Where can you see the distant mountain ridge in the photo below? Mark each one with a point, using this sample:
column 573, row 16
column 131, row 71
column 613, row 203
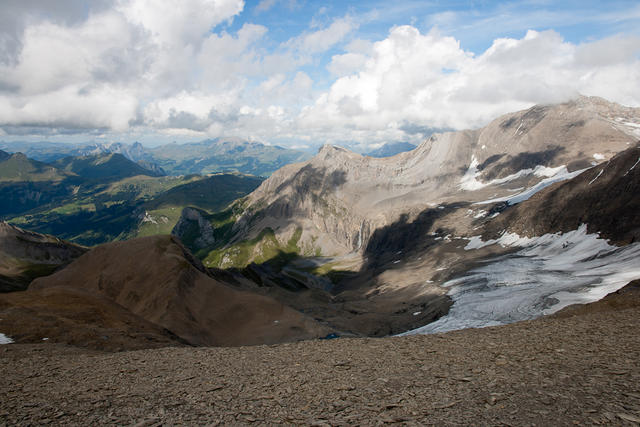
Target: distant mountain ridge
column 18, row 167
column 225, row 155
column 391, row 149
column 103, row 166
column 103, row 197
column 208, row 156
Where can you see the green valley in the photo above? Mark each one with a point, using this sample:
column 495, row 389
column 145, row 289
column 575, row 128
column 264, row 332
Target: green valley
column 100, row 198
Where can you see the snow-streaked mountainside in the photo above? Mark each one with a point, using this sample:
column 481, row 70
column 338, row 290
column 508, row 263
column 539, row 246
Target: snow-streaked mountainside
column 395, row 233
column 340, row 198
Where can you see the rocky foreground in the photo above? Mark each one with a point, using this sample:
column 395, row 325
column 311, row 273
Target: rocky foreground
column 580, row 367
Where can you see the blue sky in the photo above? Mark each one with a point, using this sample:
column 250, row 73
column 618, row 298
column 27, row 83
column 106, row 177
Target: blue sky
column 298, row 72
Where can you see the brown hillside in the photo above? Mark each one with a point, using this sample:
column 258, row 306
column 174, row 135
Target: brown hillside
column 155, row 278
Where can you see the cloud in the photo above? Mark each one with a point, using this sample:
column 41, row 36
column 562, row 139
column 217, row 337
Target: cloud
column 180, row 23
column 71, row 107
column 93, row 68
column 142, row 67
column 324, row 39
column 228, row 59
column 413, row 80
column 357, row 52
column 265, row 5
column 17, row 14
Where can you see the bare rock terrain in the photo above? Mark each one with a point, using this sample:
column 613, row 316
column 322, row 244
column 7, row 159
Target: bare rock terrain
column 579, row 367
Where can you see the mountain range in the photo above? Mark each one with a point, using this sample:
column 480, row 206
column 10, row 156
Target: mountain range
column 391, row 149
column 98, row 198
column 532, row 213
column 208, row 156
column 393, row 235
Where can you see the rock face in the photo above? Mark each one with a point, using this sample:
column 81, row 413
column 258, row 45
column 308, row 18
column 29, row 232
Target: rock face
column 25, row 255
column 192, row 226
column 605, row 198
column 467, row 215
column 158, row 280
column 339, row 198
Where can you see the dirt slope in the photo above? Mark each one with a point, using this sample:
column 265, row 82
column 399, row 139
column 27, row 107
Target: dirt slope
column 582, row 369
column 78, row 318
column 156, row 279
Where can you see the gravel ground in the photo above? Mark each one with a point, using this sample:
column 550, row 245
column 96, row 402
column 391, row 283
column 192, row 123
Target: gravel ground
column 575, row 370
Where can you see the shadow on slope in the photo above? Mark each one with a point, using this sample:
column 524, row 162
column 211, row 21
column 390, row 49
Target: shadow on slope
column 604, row 197
column 158, row 280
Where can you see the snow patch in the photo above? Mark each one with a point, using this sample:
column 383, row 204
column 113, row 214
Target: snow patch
column 469, row 180
column 598, row 156
column 5, row 339
column 597, row 176
column 632, row 167
column 547, row 172
column 548, row 274
column 480, row 214
column 526, row 194
column 505, row 240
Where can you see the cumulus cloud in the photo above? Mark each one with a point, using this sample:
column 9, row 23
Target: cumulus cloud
column 180, row 23
column 413, row 80
column 93, row 68
column 166, row 67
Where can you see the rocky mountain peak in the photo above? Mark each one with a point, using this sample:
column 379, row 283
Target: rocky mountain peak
column 342, row 194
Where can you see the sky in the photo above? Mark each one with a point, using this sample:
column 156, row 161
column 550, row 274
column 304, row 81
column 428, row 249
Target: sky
column 301, row 73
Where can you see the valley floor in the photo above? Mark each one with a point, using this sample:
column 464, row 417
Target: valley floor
column 581, row 367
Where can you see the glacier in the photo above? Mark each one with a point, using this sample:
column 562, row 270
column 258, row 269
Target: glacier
column 545, row 275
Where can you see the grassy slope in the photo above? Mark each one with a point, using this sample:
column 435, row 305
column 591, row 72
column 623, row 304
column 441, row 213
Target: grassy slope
column 134, row 206
column 109, row 166
column 19, row 167
column 264, row 248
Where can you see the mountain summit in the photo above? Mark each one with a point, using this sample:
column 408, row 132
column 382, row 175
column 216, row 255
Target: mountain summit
column 392, row 234
column 339, row 198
